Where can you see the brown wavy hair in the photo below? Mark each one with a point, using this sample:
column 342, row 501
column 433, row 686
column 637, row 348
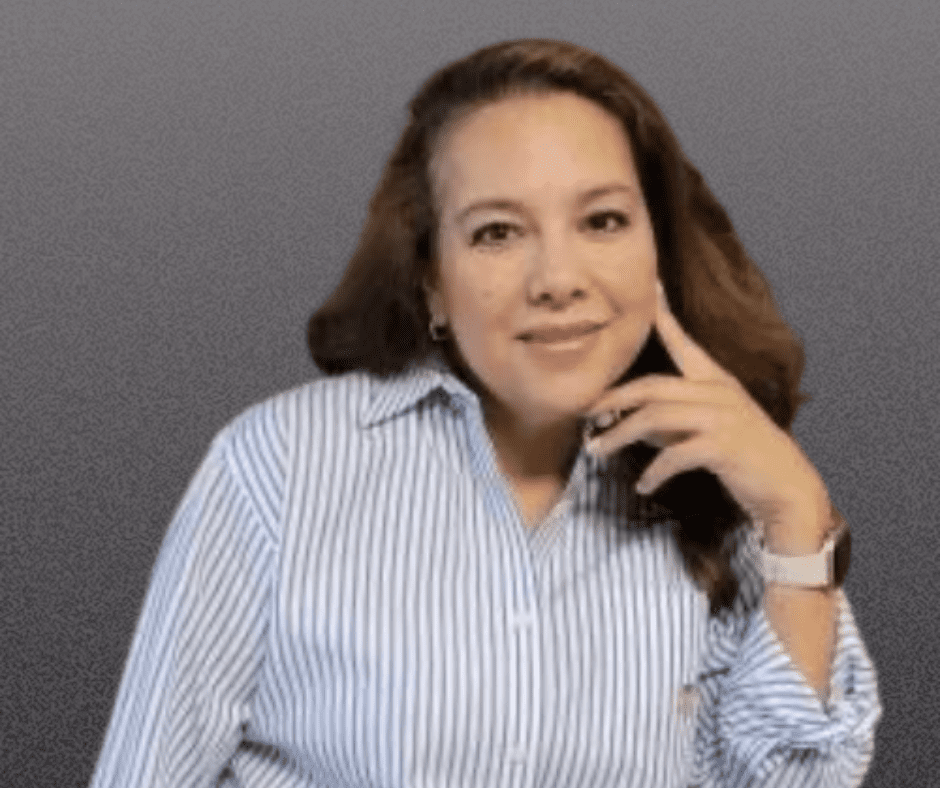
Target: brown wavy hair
column 377, row 318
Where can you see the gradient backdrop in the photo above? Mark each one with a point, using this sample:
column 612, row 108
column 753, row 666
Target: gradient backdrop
column 181, row 183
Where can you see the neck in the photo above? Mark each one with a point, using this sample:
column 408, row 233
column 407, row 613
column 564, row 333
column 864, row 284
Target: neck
column 531, row 451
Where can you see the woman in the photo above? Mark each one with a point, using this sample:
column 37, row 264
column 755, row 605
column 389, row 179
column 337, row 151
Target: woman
column 528, row 529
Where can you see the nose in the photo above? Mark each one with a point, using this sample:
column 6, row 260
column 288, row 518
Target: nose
column 557, row 275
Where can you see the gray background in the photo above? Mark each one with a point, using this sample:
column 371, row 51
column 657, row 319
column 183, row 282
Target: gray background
column 182, row 182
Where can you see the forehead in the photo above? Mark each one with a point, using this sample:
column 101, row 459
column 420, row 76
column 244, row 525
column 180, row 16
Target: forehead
column 529, row 144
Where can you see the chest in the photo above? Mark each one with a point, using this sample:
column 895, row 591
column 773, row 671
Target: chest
column 460, row 653
column 421, row 636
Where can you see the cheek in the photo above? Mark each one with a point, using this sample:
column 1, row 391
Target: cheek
column 646, row 304
column 480, row 301
column 637, row 307
column 482, row 320
column 637, row 294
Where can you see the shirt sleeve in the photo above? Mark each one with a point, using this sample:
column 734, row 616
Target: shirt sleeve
column 761, row 723
column 187, row 684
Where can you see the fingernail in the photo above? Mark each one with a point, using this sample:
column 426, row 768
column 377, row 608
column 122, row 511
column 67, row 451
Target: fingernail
column 604, row 420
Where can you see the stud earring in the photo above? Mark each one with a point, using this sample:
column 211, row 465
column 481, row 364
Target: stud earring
column 438, row 330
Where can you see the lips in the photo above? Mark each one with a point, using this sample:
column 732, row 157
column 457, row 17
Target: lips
column 560, row 333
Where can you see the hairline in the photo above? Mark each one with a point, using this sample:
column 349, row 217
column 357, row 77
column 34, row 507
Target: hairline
column 462, row 113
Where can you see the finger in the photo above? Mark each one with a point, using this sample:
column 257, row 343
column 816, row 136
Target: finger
column 661, row 424
column 662, row 388
column 689, row 455
column 693, row 361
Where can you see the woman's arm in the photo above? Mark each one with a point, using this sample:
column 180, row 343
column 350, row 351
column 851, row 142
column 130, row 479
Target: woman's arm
column 762, row 722
column 804, row 619
column 775, row 663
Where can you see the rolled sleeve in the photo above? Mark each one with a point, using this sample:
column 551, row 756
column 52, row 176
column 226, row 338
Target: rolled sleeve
column 764, row 725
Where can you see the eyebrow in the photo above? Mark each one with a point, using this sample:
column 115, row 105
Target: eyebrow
column 513, row 205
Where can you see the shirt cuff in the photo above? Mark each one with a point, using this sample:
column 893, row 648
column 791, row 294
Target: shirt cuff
column 768, row 706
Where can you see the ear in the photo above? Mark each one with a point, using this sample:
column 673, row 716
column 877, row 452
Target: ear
column 434, row 301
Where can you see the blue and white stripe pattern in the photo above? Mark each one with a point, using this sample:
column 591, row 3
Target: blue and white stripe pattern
column 347, row 596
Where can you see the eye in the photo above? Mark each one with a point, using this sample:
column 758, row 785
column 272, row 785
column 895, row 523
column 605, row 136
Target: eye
column 608, row 221
column 492, row 234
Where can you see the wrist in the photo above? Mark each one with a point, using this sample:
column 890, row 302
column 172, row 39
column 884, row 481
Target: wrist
column 795, row 541
column 791, row 562
column 802, row 529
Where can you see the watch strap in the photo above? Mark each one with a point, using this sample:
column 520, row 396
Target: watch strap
column 825, row 569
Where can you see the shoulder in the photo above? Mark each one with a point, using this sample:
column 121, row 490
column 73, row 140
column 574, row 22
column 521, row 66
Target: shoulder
column 306, row 437
column 271, row 421
column 322, row 412
column 257, row 448
column 322, row 418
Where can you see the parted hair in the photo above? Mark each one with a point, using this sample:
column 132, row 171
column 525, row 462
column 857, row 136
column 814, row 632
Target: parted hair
column 377, row 318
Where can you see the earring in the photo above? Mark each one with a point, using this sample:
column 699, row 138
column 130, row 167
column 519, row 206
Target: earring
column 438, row 330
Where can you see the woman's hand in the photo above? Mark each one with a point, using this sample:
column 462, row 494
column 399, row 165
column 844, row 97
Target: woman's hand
column 707, row 419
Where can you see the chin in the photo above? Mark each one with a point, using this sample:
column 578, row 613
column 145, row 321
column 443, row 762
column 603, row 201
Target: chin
column 565, row 407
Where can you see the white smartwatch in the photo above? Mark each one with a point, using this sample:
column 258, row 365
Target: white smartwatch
column 825, row 569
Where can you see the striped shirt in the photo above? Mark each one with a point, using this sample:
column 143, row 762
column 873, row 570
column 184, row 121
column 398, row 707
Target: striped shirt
column 347, row 596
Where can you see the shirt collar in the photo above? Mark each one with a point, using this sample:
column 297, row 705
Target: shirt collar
column 392, row 397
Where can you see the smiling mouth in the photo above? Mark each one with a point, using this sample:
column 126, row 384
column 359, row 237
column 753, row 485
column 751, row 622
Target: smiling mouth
column 550, row 334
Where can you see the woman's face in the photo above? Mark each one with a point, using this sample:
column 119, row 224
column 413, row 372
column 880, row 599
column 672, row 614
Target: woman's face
column 547, row 260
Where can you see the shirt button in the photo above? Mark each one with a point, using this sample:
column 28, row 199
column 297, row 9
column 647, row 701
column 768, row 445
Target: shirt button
column 687, row 701
column 520, row 620
column 517, row 754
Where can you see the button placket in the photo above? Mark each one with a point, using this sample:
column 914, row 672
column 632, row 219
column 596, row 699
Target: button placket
column 522, row 735
column 524, row 711
column 522, row 626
